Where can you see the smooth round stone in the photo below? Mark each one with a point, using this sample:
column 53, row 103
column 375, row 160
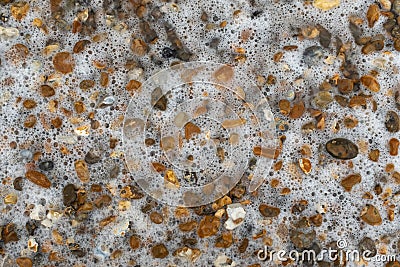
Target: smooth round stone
column 342, row 148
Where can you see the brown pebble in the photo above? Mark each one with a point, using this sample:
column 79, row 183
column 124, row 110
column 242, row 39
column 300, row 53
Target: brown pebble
column 139, row 47
column 370, row 215
column 156, row 217
column 394, row 146
column 8, row 234
column 316, row 220
column 297, row 110
column 63, row 62
column 397, row 97
column 134, row 242
column 17, row 183
column 79, row 107
column 341, row 148
column 46, row 90
column 82, row 170
column 190, row 130
column 133, row 85
column 86, row 84
column 341, row 100
column 159, row 251
column 370, row 83
column 102, row 201
column 269, row 211
column 393, row 264
column 373, row 14
column 208, row 226
column 243, row 245
column 350, row 181
column 392, row 121
column 107, row 221
column 38, row 178
column 374, row 155
column 345, row 86
column 80, row 46
column 30, row 121
column 284, row 106
column 224, row 241
column 131, row 192
column 56, row 122
column 29, row 103
column 188, row 226
column 24, row 262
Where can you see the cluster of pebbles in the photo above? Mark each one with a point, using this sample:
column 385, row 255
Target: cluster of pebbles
column 71, row 190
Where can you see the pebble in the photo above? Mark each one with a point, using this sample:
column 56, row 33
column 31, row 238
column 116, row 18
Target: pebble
column 302, row 239
column 82, row 171
column 269, row 211
column 350, row 181
column 38, row 213
column 188, row 226
column 190, row 254
column 8, row 234
column 324, row 36
column 370, row 83
column 30, row 121
column 158, row 100
column 156, row 217
column 392, row 121
column 224, row 241
column 305, row 165
column 397, row 98
column 297, row 110
column 17, row 183
column 106, row 101
column 342, row 148
column 47, row 91
column 313, row 55
column 394, row 146
column 373, row 15
column 69, row 195
column 38, row 178
column 374, row 155
column 367, row 244
column 208, row 226
column 370, row 214
column 345, row 86
column 159, row 251
column 93, row 156
column 24, row 262
column 63, row 62
column 46, row 165
column 134, row 242
column 236, row 215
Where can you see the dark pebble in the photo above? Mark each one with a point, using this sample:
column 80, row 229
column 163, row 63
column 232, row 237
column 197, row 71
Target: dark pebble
column 392, row 121
column 46, row 165
column 302, row 240
column 397, row 99
column 93, row 156
column 69, row 194
column 168, row 52
column 17, row 183
column 313, row 55
column 367, row 244
column 342, row 148
column 31, row 226
column 324, row 36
